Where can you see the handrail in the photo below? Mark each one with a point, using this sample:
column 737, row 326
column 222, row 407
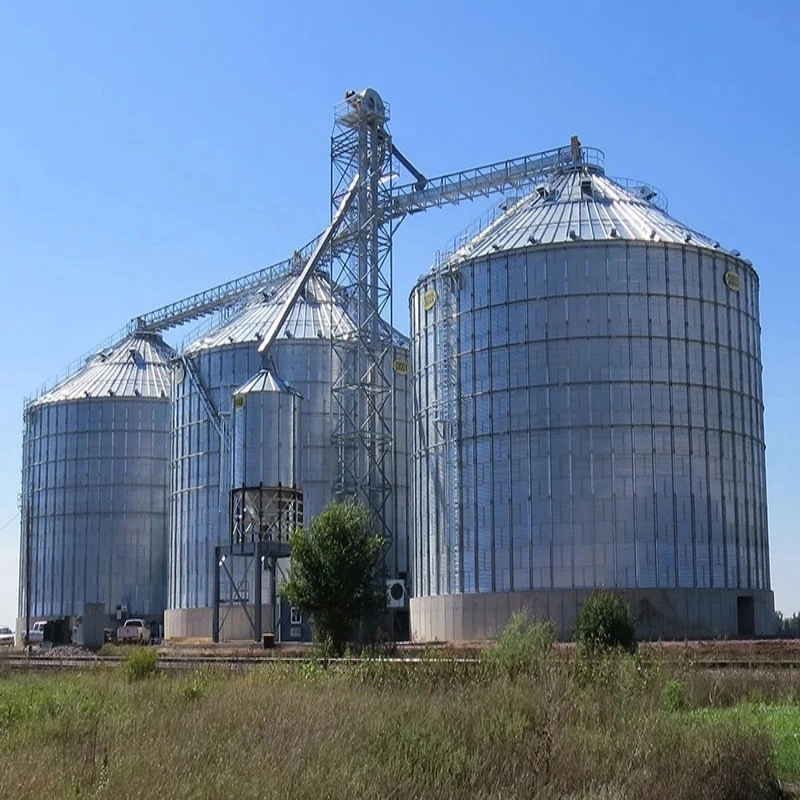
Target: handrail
column 481, row 181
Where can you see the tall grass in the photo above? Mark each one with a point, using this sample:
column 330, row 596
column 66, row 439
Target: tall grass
column 545, row 728
column 141, row 663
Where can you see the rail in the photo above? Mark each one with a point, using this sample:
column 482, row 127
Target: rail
column 51, row 660
column 210, row 300
column 644, row 191
column 481, row 181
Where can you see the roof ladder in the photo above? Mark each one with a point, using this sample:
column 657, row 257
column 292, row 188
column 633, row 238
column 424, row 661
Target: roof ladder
column 449, row 413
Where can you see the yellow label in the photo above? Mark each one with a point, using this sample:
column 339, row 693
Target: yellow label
column 238, row 401
column 429, row 299
column 732, row 280
column 401, row 366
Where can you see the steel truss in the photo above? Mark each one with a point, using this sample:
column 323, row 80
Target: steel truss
column 262, row 517
column 363, row 382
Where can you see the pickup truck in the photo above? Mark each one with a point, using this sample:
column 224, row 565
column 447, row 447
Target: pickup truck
column 36, row 635
column 134, row 631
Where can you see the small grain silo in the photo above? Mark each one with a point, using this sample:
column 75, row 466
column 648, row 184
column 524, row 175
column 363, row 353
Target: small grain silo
column 95, row 477
column 266, row 503
column 266, row 424
column 588, row 413
column 206, row 378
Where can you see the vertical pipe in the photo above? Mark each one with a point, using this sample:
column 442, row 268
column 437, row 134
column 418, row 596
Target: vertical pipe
column 215, row 610
column 293, row 442
column 259, row 570
column 273, row 599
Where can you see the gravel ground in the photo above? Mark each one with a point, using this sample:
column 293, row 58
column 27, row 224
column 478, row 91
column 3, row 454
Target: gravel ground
column 63, row 651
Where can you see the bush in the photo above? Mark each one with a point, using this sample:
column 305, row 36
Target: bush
column 335, row 573
column 195, row 687
column 112, row 649
column 522, row 647
column 673, row 696
column 141, row 663
column 605, row 622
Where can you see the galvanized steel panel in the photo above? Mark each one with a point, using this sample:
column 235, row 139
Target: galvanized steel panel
column 95, row 460
column 610, row 425
column 266, row 424
column 221, row 362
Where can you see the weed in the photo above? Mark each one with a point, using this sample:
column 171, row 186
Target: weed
column 523, row 647
column 113, row 649
column 141, row 663
column 673, row 695
column 195, row 687
column 439, row 728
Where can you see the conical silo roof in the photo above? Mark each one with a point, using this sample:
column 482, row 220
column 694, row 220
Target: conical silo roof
column 582, row 205
column 264, row 381
column 138, row 366
column 316, row 311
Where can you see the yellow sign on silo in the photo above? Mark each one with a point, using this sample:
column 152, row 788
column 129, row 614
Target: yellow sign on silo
column 429, row 299
column 732, row 280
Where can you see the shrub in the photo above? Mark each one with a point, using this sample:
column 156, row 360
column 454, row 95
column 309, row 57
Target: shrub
column 141, row 663
column 605, row 622
column 195, row 687
column 112, row 649
column 335, row 573
column 673, row 696
column 523, row 646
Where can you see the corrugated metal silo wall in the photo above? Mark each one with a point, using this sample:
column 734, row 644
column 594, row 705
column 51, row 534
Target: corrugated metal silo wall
column 602, row 424
column 266, row 427
column 201, row 479
column 98, row 474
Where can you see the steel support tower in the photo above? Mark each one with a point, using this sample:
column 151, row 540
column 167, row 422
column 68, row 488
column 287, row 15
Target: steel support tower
column 363, row 384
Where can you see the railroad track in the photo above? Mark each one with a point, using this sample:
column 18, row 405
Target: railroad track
column 19, row 661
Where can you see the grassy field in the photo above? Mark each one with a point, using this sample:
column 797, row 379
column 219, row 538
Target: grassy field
column 780, row 720
column 522, row 723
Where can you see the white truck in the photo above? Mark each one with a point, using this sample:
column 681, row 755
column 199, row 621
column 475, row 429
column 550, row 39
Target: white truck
column 134, row 631
column 36, row 634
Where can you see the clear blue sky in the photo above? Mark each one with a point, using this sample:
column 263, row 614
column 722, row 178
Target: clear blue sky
column 150, row 150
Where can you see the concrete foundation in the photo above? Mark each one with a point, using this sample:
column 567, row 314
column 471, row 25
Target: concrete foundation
column 196, row 623
column 660, row 613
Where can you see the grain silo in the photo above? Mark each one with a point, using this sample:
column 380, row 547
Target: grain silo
column 266, row 424
column 210, row 371
column 95, row 476
column 588, row 412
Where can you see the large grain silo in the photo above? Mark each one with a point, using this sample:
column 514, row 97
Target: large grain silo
column 588, row 413
column 212, row 368
column 95, row 476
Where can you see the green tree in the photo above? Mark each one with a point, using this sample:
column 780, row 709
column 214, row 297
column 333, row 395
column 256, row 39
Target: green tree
column 605, row 622
column 335, row 572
